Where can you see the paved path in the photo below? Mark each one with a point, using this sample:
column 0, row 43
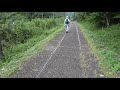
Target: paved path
column 66, row 56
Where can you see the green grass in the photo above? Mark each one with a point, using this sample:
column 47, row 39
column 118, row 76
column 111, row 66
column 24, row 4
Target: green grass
column 18, row 54
column 105, row 45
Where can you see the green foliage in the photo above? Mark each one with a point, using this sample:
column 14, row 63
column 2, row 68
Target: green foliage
column 18, row 27
column 17, row 55
column 21, row 34
column 105, row 44
column 22, row 30
column 33, row 15
column 102, row 30
column 100, row 19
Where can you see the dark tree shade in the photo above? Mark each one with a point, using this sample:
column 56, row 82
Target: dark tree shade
column 99, row 18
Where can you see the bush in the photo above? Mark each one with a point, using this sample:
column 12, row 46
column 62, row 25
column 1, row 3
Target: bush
column 21, row 30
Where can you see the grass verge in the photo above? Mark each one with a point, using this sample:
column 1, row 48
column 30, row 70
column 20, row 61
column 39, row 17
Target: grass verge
column 105, row 45
column 19, row 54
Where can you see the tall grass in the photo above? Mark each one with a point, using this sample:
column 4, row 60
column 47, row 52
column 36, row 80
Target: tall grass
column 22, row 30
column 26, row 39
column 105, row 44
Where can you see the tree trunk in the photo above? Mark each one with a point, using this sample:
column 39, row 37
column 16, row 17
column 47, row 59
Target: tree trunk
column 42, row 15
column 107, row 19
column 53, row 15
column 107, row 22
column 1, row 52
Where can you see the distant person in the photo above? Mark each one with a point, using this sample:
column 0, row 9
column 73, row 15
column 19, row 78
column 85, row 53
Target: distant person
column 66, row 23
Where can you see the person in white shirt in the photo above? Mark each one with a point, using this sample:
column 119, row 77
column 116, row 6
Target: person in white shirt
column 66, row 23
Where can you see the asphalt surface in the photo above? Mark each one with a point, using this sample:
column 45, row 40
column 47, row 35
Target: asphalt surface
column 66, row 56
